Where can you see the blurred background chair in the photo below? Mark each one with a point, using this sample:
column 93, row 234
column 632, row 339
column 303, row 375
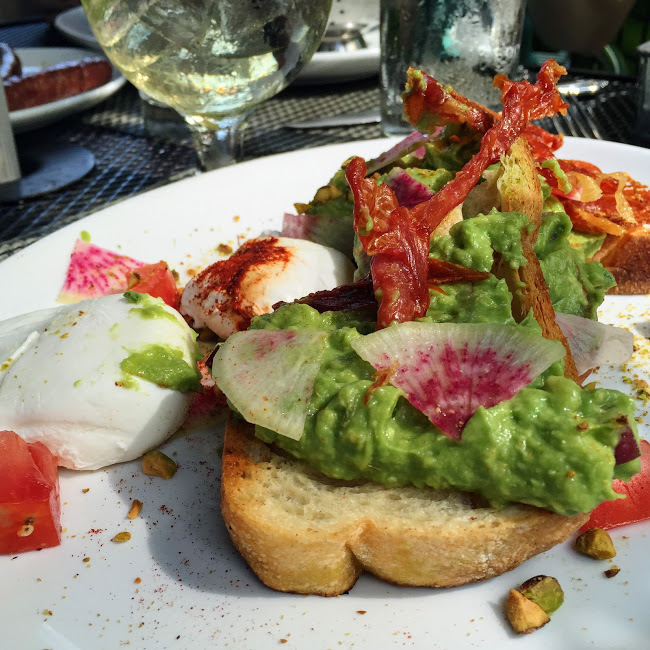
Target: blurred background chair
column 599, row 35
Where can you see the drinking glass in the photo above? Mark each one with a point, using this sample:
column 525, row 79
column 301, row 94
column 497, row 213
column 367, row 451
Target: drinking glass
column 211, row 60
column 463, row 43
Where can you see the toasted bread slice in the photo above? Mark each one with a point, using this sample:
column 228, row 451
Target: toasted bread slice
column 302, row 532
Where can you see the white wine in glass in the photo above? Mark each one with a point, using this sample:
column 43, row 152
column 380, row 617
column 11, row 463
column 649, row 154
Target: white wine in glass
column 211, row 60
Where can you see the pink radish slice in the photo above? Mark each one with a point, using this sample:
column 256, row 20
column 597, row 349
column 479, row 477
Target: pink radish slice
column 269, row 376
column 448, row 370
column 94, row 271
column 627, row 448
column 335, row 232
column 594, row 344
column 410, row 143
column 409, row 191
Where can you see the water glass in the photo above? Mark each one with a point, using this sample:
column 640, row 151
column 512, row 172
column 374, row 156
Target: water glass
column 463, row 43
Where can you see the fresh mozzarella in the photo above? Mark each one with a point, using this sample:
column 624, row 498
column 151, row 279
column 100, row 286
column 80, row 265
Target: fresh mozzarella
column 226, row 295
column 16, row 334
column 61, row 380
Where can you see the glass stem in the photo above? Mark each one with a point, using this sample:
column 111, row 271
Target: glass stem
column 218, row 142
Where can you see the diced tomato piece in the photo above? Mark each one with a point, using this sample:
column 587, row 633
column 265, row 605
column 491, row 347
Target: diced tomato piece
column 30, row 505
column 636, row 505
column 156, row 280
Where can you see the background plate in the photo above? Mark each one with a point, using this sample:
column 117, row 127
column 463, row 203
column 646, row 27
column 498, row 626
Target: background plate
column 195, row 591
column 35, row 59
column 74, row 25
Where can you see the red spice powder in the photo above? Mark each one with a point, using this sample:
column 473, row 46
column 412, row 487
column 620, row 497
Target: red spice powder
column 227, row 276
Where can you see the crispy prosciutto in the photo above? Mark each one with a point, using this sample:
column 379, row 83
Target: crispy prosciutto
column 428, row 104
column 359, row 295
column 522, row 102
column 609, row 203
column 397, row 244
column 542, row 143
column 396, row 238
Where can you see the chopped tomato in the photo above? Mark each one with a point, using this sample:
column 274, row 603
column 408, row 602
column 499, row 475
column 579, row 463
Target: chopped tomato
column 156, row 280
column 30, row 507
column 636, row 505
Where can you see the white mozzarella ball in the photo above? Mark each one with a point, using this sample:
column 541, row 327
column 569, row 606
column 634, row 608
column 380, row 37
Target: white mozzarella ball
column 226, row 295
column 62, row 381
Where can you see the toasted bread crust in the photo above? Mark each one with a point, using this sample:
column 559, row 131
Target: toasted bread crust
column 519, row 190
column 301, row 532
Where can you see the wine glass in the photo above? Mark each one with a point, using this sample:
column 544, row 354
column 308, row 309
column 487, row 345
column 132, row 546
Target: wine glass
column 211, row 60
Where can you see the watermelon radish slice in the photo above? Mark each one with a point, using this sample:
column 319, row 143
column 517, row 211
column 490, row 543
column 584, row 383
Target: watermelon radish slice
column 409, row 191
column 269, row 376
column 594, row 344
column 410, row 143
column 627, row 448
column 335, row 232
column 94, row 271
column 448, row 370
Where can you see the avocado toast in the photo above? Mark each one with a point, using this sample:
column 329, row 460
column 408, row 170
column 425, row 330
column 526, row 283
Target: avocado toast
column 374, row 482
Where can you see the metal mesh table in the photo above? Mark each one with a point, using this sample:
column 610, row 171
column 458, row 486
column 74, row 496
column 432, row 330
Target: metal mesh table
column 132, row 156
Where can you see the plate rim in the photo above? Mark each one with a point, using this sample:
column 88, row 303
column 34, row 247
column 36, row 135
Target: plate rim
column 62, row 24
column 200, row 178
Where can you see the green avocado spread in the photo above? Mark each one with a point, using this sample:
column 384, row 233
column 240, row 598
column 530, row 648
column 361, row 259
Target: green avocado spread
column 551, row 445
column 164, row 366
column 575, row 286
column 159, row 363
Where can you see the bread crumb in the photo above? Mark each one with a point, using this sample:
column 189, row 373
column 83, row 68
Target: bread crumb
column 135, row 510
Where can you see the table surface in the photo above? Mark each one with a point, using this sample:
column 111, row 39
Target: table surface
column 131, row 155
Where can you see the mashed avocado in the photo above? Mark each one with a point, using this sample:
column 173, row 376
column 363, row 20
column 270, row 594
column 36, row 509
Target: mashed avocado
column 551, row 445
column 164, row 364
column 575, row 285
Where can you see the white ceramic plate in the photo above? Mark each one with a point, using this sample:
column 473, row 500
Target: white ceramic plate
column 34, row 59
column 338, row 67
column 74, row 25
column 195, row 590
column 324, row 67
